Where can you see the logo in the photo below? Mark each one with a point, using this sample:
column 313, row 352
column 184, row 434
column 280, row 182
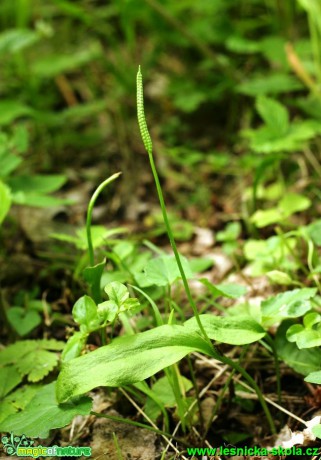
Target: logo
column 21, row 446
column 11, row 443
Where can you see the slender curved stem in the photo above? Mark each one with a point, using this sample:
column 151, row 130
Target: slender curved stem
column 89, row 215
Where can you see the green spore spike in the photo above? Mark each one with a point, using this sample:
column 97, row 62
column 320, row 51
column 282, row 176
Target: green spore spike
column 141, row 114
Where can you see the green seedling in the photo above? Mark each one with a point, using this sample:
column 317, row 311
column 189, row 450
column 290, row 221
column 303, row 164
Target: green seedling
column 228, row 237
column 290, row 204
column 24, row 319
column 278, row 134
column 92, row 317
column 270, row 254
column 307, row 335
column 304, row 361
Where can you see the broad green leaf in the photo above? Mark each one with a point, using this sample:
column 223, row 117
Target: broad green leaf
column 17, row 400
column 231, row 232
column 311, row 106
column 302, row 361
column 124, row 249
column 273, row 49
column 307, row 335
column 14, row 40
column 269, row 84
column 271, row 251
column 10, row 110
column 304, row 338
column 119, row 301
column 115, row 275
column 164, row 393
column 20, row 139
column 41, row 184
column 22, row 320
column 288, row 205
column 93, row 274
column 84, row 313
column 278, row 277
column 7, row 408
column 293, row 202
column 128, row 359
column 8, row 163
column 5, row 201
column 289, row 304
column 200, row 264
column 314, row 377
column 74, row 346
column 265, row 140
column 99, row 234
column 15, row 353
column 53, row 65
column 239, row 44
column 43, row 414
column 10, row 378
column 37, row 364
column 117, row 292
column 93, row 277
column 264, row 217
column 76, row 114
column 37, row 200
column 254, row 249
column 107, row 311
column 231, row 291
column 314, row 231
column 311, row 319
column 163, row 271
column 274, row 115
column 232, row 330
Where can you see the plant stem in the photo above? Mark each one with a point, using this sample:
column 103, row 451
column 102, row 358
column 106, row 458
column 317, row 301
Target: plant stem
column 173, row 245
column 270, row 341
column 89, row 215
column 149, row 148
column 119, row 454
column 254, row 385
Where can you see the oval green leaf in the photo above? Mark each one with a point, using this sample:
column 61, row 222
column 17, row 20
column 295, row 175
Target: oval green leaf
column 234, row 331
column 128, row 360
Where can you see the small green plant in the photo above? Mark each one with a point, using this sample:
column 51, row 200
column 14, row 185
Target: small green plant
column 23, row 319
column 92, row 317
column 134, row 358
column 246, row 95
column 278, row 134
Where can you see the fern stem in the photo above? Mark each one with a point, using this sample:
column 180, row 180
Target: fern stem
column 149, row 147
column 89, row 215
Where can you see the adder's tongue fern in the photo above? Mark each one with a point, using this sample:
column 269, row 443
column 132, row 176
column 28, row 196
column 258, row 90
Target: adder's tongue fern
column 149, row 147
column 141, row 114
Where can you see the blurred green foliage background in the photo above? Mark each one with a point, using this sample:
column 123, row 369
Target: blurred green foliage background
column 68, row 74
